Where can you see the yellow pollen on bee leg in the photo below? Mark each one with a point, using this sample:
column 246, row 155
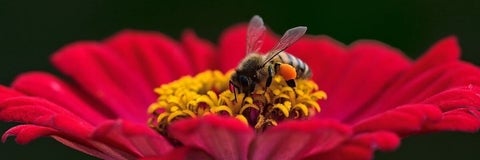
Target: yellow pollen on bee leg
column 207, row 93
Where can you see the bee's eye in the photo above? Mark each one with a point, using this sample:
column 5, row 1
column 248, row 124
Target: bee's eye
column 243, row 80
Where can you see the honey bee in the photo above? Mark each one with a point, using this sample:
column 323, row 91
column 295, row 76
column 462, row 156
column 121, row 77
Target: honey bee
column 260, row 69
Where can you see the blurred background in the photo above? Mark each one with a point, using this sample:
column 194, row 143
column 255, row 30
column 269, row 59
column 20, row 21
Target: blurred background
column 31, row 30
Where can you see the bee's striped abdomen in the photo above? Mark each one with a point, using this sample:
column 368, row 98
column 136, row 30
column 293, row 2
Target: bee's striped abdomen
column 302, row 69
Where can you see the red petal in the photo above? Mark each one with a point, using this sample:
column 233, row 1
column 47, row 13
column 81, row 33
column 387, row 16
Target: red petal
column 220, row 137
column 462, row 119
column 96, row 149
column 200, row 52
column 445, row 50
column 47, row 86
column 47, row 119
column 428, row 76
column 385, row 141
column 361, row 147
column 106, row 77
column 145, row 139
column 460, row 113
column 181, row 153
column 326, row 58
column 403, row 120
column 440, row 79
column 299, row 139
column 27, row 133
column 157, row 58
column 442, row 52
column 348, row 151
column 463, row 97
column 6, row 93
column 43, row 113
column 362, row 75
column 132, row 138
column 436, row 80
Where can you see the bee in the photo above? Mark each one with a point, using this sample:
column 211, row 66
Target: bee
column 256, row 68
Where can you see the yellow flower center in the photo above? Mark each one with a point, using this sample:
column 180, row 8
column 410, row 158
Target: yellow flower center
column 207, row 93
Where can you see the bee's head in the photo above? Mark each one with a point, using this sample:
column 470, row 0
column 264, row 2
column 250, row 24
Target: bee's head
column 243, row 83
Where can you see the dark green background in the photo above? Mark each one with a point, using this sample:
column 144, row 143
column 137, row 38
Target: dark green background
column 31, row 30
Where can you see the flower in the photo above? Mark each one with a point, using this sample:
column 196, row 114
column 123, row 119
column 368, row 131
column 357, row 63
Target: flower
column 376, row 97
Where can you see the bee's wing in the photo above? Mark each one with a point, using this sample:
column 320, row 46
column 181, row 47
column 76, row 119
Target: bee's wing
column 255, row 32
column 287, row 39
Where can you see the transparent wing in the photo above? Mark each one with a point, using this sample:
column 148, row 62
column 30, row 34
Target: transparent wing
column 254, row 34
column 287, row 39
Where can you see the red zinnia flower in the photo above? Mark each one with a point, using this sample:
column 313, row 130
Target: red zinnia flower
column 376, row 96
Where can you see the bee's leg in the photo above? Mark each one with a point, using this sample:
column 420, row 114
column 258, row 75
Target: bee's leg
column 269, row 82
column 243, row 99
column 271, row 73
column 291, row 83
column 249, row 92
column 272, row 70
column 232, row 88
column 235, row 94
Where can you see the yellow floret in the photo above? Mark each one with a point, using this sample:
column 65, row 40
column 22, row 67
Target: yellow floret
column 207, row 93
